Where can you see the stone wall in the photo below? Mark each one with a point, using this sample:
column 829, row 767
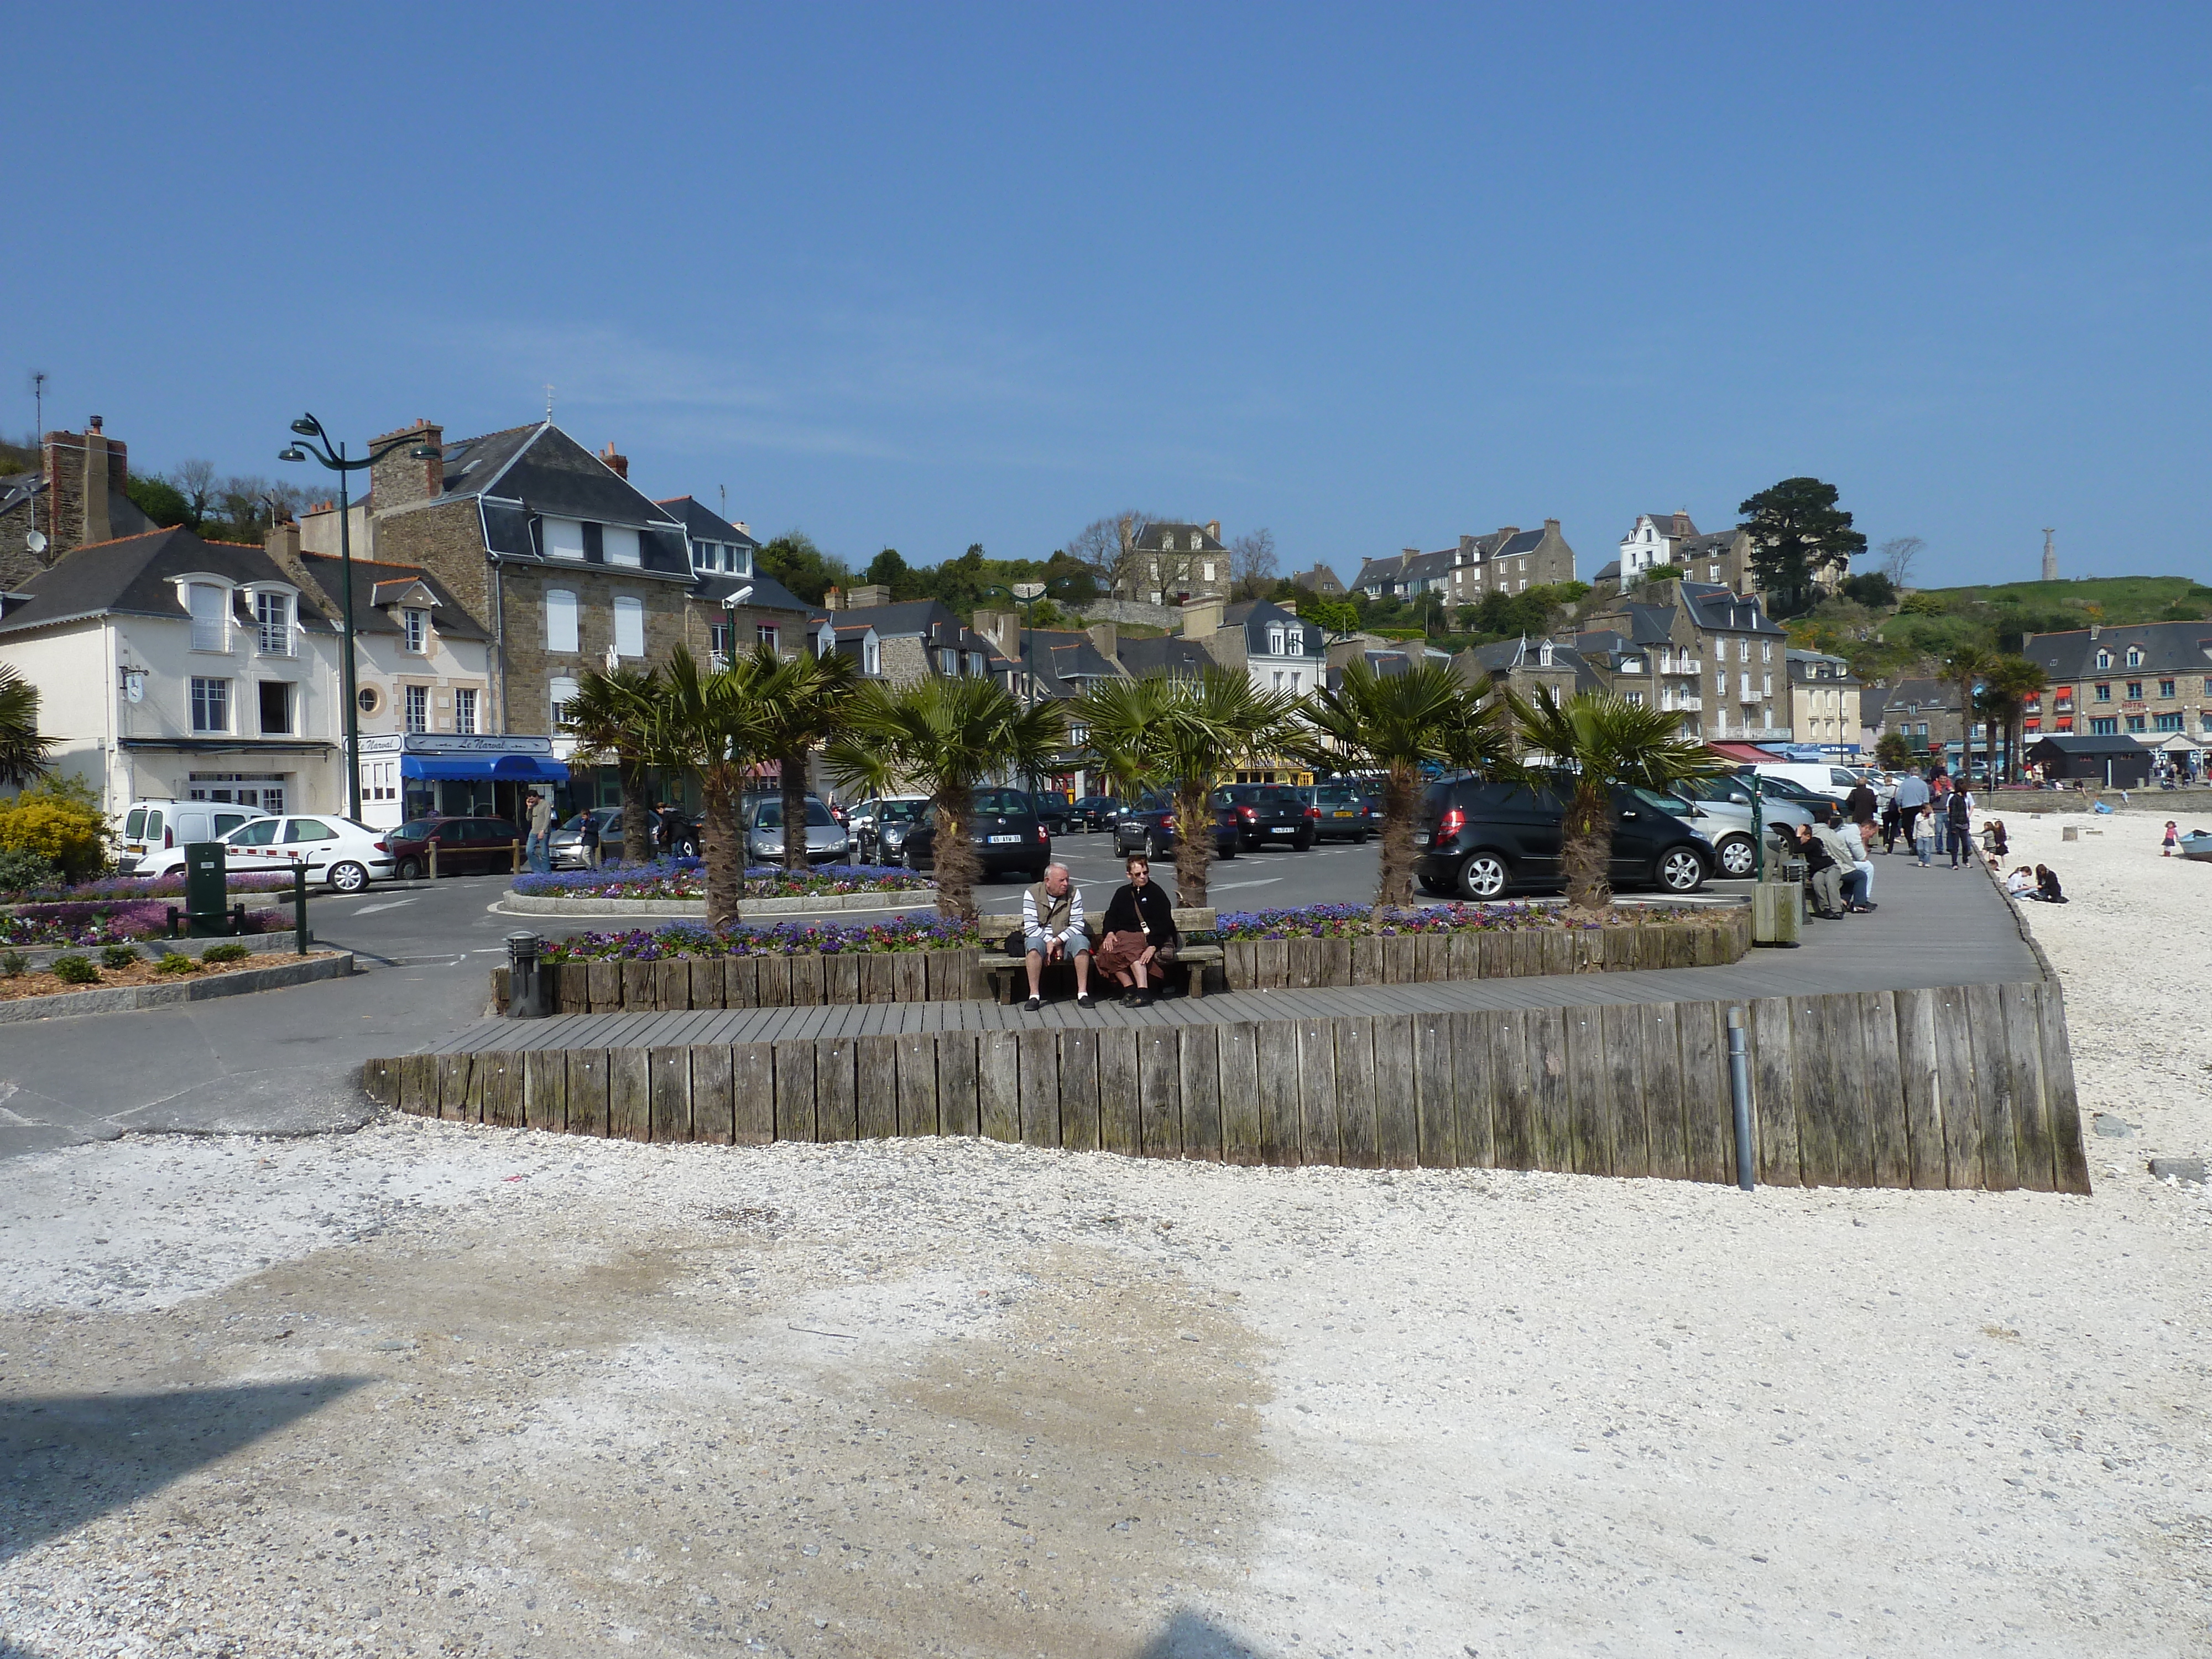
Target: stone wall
column 530, row 667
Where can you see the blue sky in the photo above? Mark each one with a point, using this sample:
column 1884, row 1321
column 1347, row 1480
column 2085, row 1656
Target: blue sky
column 1369, row 277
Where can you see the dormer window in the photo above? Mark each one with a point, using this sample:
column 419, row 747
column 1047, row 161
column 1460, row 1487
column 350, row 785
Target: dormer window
column 415, row 629
column 2135, row 658
column 210, row 610
column 272, row 617
column 2104, row 659
column 1274, row 641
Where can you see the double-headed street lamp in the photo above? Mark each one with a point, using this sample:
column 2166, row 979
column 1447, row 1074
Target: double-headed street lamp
column 332, row 456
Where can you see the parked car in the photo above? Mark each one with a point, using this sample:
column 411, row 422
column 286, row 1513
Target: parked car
column 879, row 826
column 466, row 846
column 1095, row 812
column 1149, row 826
column 1728, row 800
column 1055, row 811
column 156, row 832
column 1272, row 814
column 1483, row 840
column 346, row 854
column 1005, row 829
column 762, row 818
column 1822, row 802
column 565, row 847
column 1347, row 811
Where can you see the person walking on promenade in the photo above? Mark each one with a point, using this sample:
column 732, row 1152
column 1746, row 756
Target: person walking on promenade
column 1862, row 805
column 588, row 840
column 541, row 832
column 1959, row 825
column 1911, row 798
column 1892, row 826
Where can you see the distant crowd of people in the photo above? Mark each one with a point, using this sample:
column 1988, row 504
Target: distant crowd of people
column 1932, row 815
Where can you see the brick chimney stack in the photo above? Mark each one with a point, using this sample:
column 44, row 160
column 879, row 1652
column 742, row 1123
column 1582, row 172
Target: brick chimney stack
column 82, row 470
column 400, row 480
column 618, row 464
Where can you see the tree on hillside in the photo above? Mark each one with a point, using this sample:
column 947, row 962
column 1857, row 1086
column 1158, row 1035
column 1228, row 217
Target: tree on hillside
column 1874, row 590
column 1898, row 554
column 793, row 560
column 889, row 570
column 1252, row 564
column 1797, row 531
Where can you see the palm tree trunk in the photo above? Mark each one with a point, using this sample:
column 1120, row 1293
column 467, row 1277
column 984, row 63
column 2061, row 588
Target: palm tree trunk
column 1586, row 850
column 1194, row 856
column 793, row 776
column 637, row 815
column 723, row 845
column 1395, row 888
column 954, row 858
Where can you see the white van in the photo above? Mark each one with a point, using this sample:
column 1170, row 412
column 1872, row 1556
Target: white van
column 1821, row 777
column 156, row 832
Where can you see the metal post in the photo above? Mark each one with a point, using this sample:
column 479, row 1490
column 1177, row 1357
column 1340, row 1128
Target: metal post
column 524, row 999
column 1740, row 1098
column 1757, row 830
column 352, row 704
column 300, row 908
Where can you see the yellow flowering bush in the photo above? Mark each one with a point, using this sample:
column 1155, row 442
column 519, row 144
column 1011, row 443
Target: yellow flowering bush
column 62, row 823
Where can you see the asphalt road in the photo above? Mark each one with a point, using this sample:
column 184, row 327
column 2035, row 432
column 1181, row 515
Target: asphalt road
column 285, row 1062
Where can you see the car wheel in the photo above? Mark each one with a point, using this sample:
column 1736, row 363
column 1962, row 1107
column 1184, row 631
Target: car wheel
column 409, row 869
column 1483, row 875
column 1228, row 851
column 1434, row 888
column 1736, row 855
column 1360, row 839
column 347, row 878
column 1152, row 846
column 1682, row 870
column 1303, row 843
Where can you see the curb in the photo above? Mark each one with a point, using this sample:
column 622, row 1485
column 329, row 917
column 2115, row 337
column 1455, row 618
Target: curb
column 124, row 999
column 41, row 957
column 532, row 904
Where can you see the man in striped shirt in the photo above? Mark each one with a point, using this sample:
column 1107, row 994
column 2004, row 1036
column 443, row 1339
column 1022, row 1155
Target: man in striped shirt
column 1052, row 923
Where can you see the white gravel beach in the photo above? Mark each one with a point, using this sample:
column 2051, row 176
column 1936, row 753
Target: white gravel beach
column 433, row 1389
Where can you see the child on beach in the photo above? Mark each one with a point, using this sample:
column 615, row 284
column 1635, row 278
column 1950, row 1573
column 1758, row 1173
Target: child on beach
column 2173, row 840
column 2020, row 882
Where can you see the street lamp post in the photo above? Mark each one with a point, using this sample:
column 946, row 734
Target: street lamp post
column 332, row 456
column 1025, row 594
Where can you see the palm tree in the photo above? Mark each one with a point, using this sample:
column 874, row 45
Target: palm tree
column 946, row 734
column 1185, row 735
column 1964, row 669
column 2010, row 682
column 1598, row 743
column 612, row 717
column 1397, row 724
column 809, row 709
column 720, row 726
column 23, row 750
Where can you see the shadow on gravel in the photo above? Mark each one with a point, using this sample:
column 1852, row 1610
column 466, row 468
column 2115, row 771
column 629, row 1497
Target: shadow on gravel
column 1187, row 1635
column 70, row 1458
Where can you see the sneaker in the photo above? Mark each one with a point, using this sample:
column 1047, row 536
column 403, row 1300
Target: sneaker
column 1034, row 1004
column 1083, row 1000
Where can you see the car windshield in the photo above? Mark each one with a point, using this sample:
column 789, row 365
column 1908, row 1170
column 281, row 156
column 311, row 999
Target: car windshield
column 413, row 829
column 1666, row 804
column 898, row 811
column 770, row 816
column 1001, row 800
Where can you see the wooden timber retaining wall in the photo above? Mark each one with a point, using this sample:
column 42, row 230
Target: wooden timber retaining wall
column 1959, row 1087
column 807, row 979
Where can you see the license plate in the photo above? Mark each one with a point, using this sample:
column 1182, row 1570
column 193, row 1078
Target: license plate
column 1005, row 841
column 1282, row 829
column 1344, row 812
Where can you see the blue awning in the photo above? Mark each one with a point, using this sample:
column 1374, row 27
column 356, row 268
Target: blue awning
column 511, row 769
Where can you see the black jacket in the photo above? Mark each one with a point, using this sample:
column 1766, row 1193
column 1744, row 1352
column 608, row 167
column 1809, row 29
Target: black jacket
column 1147, row 910
column 1862, row 804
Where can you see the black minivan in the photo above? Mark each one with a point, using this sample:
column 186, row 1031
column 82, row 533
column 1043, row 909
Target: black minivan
column 1007, row 833
column 1484, row 840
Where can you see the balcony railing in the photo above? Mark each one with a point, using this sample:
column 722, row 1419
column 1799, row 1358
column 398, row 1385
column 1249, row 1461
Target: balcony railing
column 1694, row 705
column 1683, row 665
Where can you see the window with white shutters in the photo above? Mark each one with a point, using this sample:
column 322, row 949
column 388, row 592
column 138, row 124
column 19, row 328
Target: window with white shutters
column 211, row 617
column 564, row 693
column 629, row 627
column 563, row 539
column 464, row 711
column 560, row 619
column 619, row 544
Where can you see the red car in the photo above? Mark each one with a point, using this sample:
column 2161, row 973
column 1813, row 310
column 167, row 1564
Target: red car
column 466, row 847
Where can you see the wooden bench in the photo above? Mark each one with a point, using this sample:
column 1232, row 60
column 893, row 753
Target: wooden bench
column 1010, row 976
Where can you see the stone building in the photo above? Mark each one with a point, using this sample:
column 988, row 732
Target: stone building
column 1510, row 560
column 566, row 563
column 733, row 606
column 2148, row 680
column 1696, row 647
column 74, row 497
column 1170, row 563
column 1824, row 701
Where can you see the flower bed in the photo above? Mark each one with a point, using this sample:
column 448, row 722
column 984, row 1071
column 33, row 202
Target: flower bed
column 108, row 923
column 784, row 940
column 1361, row 922
column 144, row 887
column 686, row 879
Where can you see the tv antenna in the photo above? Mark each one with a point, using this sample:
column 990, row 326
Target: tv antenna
column 549, row 400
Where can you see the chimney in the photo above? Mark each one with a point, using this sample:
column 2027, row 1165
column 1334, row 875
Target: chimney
column 1200, row 617
column 83, row 470
column 1551, row 526
column 868, row 594
column 832, row 599
column 97, row 525
column 2094, row 630
column 1214, row 529
column 283, row 545
column 1107, row 638
column 399, row 479
column 617, row 464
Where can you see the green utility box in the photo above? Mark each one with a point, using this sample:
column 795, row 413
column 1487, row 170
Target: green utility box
column 205, row 880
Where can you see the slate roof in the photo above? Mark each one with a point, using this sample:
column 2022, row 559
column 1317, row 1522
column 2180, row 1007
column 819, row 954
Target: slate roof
column 703, row 524
column 534, row 469
column 1610, row 573
column 2071, row 743
column 1501, row 655
column 1062, row 661
column 1172, row 655
column 1527, row 542
column 1384, row 572
column 768, row 593
column 2167, row 647
column 1255, row 616
column 134, row 576
column 1147, row 540
column 1799, row 666
column 368, row 617
column 1714, row 606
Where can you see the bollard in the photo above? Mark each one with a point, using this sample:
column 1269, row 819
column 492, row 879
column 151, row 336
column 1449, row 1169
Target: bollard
column 173, row 921
column 300, row 908
column 433, row 858
column 524, row 986
column 514, row 847
column 1740, row 1098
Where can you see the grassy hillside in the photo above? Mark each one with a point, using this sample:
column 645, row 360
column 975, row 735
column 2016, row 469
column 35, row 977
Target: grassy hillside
column 2112, row 599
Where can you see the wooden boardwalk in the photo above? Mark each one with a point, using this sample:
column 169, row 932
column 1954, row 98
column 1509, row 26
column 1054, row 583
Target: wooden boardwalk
column 1933, row 928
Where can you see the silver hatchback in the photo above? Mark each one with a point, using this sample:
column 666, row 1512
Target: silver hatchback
column 763, row 817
